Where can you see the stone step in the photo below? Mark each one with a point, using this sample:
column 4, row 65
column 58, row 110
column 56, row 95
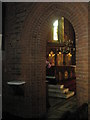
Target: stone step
column 61, row 95
column 70, row 94
column 64, row 90
column 55, row 86
column 50, row 77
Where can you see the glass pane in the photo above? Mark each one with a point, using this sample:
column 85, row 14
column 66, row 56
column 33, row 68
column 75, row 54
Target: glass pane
column 55, row 30
column 62, row 29
column 55, row 23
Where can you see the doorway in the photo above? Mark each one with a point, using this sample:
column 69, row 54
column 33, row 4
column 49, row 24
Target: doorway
column 61, row 63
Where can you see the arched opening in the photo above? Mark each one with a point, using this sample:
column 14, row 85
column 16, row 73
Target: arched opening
column 27, row 30
column 37, row 32
column 41, row 26
column 31, row 53
column 61, row 62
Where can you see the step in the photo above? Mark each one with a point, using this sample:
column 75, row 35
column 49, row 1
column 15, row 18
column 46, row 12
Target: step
column 50, row 77
column 64, row 90
column 70, row 94
column 55, row 86
column 67, row 95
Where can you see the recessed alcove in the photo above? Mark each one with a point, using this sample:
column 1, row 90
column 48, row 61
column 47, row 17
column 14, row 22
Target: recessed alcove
column 17, row 87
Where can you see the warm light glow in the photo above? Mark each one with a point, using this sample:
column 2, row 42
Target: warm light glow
column 51, row 52
column 52, row 58
column 60, row 53
column 59, row 59
column 49, row 55
column 69, row 54
column 66, row 74
column 53, row 55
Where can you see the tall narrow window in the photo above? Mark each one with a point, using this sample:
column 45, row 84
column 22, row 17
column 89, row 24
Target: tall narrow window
column 58, row 30
column 61, row 29
column 55, row 30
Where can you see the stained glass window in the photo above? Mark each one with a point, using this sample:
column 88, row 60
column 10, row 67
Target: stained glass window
column 58, row 30
column 61, row 27
column 55, row 30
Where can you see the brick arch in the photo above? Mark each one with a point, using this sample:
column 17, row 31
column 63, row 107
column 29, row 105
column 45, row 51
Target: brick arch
column 33, row 39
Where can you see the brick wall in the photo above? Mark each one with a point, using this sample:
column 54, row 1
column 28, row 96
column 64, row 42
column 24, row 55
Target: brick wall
column 89, row 59
column 26, row 31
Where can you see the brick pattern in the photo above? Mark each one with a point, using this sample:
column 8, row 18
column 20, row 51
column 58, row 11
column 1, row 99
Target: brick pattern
column 26, row 33
column 89, row 60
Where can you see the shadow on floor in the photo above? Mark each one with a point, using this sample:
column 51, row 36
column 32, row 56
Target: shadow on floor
column 80, row 114
column 66, row 110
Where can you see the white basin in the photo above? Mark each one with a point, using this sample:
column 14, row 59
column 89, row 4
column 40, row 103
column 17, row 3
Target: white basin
column 16, row 82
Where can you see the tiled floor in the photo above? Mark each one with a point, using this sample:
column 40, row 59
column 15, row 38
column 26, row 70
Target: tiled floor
column 60, row 106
